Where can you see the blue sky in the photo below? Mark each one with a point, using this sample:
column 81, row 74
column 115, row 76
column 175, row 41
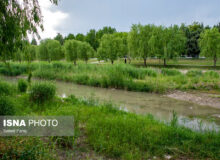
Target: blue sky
column 79, row 16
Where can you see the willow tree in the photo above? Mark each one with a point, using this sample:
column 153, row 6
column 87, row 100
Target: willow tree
column 110, row 48
column 71, row 50
column 167, row 43
column 209, row 43
column 50, row 50
column 17, row 18
column 124, row 46
column 138, row 39
column 85, row 51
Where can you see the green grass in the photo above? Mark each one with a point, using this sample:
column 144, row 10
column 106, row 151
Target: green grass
column 110, row 132
column 121, row 76
column 179, row 63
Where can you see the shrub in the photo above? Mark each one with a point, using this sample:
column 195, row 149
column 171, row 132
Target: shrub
column 41, row 92
column 170, row 72
column 22, row 85
column 212, row 74
column 194, row 73
column 6, row 106
column 6, row 89
column 150, row 72
column 14, row 70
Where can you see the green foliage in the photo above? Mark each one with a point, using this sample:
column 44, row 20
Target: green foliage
column 16, row 22
column 123, row 135
column 194, row 73
column 167, row 43
column 50, row 50
column 42, row 92
column 92, row 39
column 59, row 38
column 210, row 44
column 6, row 88
column 71, row 50
column 85, row 51
column 111, row 47
column 13, row 69
column 70, row 37
column 22, row 85
column 192, row 33
column 29, row 52
column 25, row 148
column 138, row 39
column 80, row 37
column 105, row 30
column 170, row 72
column 7, row 107
column 212, row 74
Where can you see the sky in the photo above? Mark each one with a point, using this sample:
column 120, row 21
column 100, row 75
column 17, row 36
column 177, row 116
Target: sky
column 79, row 16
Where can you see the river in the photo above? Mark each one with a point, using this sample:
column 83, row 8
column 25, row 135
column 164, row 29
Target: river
column 189, row 114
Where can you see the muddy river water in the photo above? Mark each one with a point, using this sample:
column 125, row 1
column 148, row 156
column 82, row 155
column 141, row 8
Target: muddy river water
column 189, row 114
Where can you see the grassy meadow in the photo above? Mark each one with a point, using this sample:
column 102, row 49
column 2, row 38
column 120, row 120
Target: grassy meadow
column 100, row 128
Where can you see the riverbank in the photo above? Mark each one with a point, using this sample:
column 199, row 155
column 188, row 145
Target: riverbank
column 120, row 76
column 159, row 105
column 109, row 133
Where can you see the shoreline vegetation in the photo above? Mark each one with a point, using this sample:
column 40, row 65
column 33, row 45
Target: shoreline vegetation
column 119, row 76
column 108, row 132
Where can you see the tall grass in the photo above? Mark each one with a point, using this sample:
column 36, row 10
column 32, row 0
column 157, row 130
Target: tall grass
column 123, row 76
column 121, row 135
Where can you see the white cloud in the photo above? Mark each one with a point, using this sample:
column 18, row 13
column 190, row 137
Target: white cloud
column 51, row 19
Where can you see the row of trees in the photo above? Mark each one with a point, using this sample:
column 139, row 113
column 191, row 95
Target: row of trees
column 156, row 41
column 192, row 33
column 143, row 41
column 93, row 37
column 51, row 50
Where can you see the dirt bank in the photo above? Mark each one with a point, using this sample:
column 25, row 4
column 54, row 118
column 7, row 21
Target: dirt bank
column 205, row 99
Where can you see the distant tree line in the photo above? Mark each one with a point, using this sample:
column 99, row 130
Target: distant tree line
column 143, row 41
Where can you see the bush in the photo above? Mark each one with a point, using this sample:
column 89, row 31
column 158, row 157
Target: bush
column 22, row 85
column 6, row 106
column 6, row 89
column 212, row 74
column 194, row 73
column 170, row 72
column 41, row 92
column 14, row 70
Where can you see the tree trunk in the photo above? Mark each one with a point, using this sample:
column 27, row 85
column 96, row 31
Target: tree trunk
column 145, row 61
column 112, row 62
column 164, row 62
column 215, row 60
column 74, row 63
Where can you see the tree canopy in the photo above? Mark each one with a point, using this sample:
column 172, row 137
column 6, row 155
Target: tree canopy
column 17, row 17
column 209, row 43
column 50, row 50
column 111, row 47
column 71, row 50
